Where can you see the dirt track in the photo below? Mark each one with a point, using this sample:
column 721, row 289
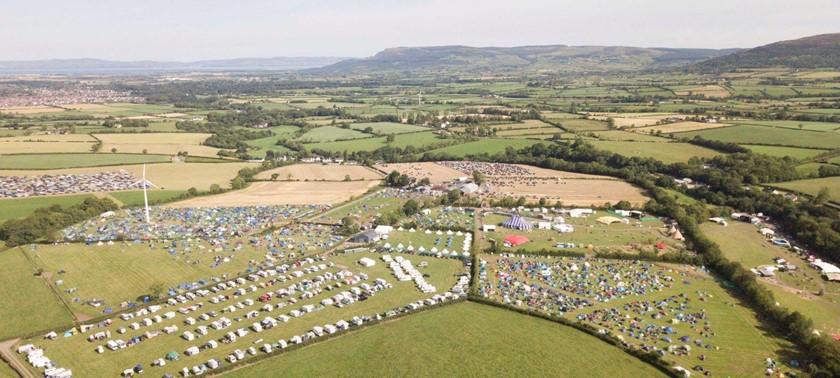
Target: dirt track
column 10, row 356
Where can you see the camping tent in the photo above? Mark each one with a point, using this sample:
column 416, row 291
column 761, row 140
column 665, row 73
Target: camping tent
column 517, row 223
column 172, row 356
column 516, row 240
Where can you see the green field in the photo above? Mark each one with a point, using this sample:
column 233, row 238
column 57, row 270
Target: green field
column 489, row 146
column 135, row 198
column 582, row 125
column 665, row 152
column 770, row 136
column 790, row 124
column 330, row 133
column 741, row 242
column 418, row 140
column 58, row 161
column 796, row 153
column 118, row 273
column 28, row 303
column 387, row 127
column 813, row 186
column 740, row 343
column 21, row 207
column 464, row 339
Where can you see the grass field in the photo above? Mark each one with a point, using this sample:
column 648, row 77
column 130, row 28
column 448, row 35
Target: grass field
column 77, row 353
column 57, row 161
column 790, row 124
column 330, row 133
column 628, row 136
column 582, row 125
column 742, row 243
column 665, row 152
column 118, row 273
column 489, row 146
column 21, row 207
column 28, row 303
column 740, row 343
column 320, row 172
column 748, row 134
column 387, row 127
column 490, row 342
column 135, row 198
column 369, row 144
column 706, row 90
column 813, row 186
column 796, row 153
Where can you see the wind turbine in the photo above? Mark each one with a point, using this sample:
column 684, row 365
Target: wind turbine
column 145, row 183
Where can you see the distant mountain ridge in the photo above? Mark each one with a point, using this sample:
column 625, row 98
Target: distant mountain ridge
column 276, row 63
column 550, row 58
column 819, row 51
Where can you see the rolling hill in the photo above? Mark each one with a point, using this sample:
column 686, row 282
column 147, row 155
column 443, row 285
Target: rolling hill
column 817, row 51
column 555, row 58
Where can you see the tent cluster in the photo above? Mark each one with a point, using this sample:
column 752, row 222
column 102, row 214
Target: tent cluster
column 185, row 223
column 448, row 217
column 447, row 244
column 403, row 270
column 27, row 186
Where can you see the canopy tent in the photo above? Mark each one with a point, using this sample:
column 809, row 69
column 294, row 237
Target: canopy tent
column 517, row 223
column 608, row 220
column 516, row 240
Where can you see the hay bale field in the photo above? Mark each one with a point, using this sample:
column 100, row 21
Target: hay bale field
column 434, row 172
column 284, row 193
column 680, row 127
column 517, row 346
column 157, row 143
column 312, row 172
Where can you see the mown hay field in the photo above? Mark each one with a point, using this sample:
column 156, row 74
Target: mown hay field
column 436, row 173
column 157, row 143
column 16, row 147
column 284, row 193
column 321, row 172
column 680, row 127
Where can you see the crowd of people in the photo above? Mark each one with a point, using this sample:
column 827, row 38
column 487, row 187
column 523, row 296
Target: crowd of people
column 489, row 169
column 44, row 185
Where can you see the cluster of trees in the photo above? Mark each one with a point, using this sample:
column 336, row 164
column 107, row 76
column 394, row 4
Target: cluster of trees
column 126, row 123
column 717, row 145
column 397, row 180
column 224, row 136
column 45, row 223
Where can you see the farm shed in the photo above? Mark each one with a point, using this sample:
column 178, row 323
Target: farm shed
column 365, row 237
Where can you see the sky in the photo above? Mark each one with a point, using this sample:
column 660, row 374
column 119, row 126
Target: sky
column 187, row 30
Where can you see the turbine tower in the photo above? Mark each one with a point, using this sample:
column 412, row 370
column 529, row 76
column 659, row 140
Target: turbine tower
column 145, row 183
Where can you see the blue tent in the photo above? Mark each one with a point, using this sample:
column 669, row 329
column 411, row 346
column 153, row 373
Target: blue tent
column 517, row 223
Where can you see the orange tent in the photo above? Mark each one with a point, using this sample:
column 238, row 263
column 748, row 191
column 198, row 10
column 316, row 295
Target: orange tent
column 516, row 240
